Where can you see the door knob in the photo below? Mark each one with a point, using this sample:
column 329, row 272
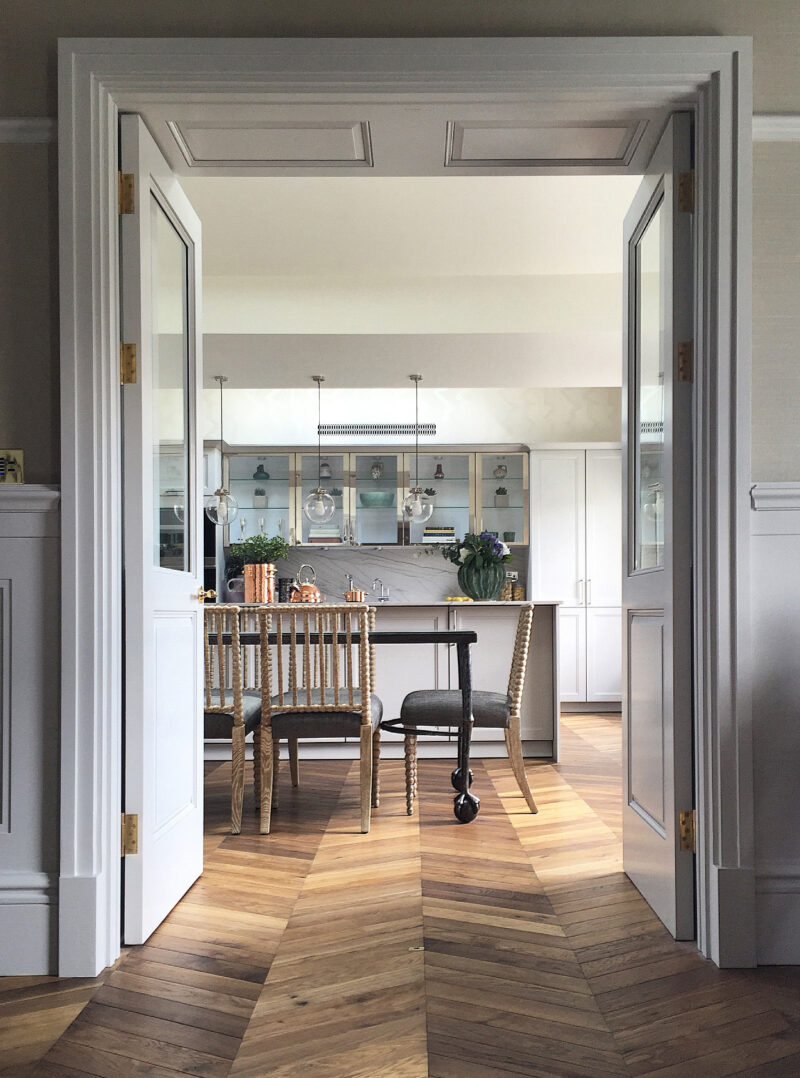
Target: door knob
column 204, row 594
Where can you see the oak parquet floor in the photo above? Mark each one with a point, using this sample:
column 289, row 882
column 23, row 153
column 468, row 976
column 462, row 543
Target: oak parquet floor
column 514, row 946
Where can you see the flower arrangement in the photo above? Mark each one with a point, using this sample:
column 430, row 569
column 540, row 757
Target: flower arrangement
column 477, row 550
column 257, row 550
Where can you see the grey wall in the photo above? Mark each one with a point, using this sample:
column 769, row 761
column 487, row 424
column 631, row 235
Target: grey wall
column 29, row 30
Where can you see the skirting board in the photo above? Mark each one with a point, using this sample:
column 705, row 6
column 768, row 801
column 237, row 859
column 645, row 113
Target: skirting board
column 392, row 750
column 28, row 916
column 602, row 707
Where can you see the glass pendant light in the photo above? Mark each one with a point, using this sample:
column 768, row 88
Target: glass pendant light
column 319, row 506
column 418, row 506
column 221, row 508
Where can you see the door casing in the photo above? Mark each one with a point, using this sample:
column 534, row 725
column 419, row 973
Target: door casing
column 99, row 78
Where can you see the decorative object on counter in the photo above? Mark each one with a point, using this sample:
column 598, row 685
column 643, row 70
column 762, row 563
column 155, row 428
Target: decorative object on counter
column 355, row 595
column 259, row 473
column 319, row 506
column 305, row 591
column 501, row 471
column 12, row 466
column 480, row 560
column 507, row 591
column 373, row 499
column 518, row 592
column 259, row 498
column 284, row 588
column 458, row 599
column 248, row 559
column 417, row 506
column 509, row 537
column 501, row 498
column 221, row 508
column 430, row 491
column 376, row 471
column 438, row 473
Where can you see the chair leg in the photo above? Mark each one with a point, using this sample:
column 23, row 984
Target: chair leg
column 276, row 764
column 410, row 747
column 294, row 766
column 514, row 747
column 257, row 767
column 366, row 777
column 237, row 778
column 265, row 761
column 376, row 768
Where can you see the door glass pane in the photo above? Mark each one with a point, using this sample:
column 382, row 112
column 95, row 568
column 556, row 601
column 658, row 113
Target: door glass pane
column 260, row 484
column 170, row 344
column 376, row 480
column 648, row 495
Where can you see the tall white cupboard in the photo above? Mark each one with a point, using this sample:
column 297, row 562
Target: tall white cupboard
column 576, row 558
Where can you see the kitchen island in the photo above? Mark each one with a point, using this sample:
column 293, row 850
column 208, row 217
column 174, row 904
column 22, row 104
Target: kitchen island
column 401, row 670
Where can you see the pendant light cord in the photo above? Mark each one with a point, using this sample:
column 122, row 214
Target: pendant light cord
column 319, row 432
column 416, row 427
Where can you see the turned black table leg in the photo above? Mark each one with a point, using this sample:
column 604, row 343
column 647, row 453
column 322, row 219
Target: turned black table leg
column 466, row 804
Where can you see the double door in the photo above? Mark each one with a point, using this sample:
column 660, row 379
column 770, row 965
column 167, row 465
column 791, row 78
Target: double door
column 576, row 560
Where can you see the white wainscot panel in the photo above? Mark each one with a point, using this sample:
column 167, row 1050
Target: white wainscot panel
column 29, row 709
column 646, row 718
column 775, row 528
column 175, row 644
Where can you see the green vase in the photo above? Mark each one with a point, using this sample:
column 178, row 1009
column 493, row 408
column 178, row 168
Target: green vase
column 481, row 582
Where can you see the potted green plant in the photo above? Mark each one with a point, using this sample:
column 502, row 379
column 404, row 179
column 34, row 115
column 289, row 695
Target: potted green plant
column 430, row 491
column 259, row 498
column 501, row 498
column 254, row 559
column 480, row 560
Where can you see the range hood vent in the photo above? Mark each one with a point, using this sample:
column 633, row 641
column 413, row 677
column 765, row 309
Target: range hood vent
column 356, row 430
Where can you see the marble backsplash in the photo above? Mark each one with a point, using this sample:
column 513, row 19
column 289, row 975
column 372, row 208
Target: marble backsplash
column 410, row 575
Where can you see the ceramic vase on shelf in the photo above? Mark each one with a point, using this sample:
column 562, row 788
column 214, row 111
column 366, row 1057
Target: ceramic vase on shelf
column 482, row 582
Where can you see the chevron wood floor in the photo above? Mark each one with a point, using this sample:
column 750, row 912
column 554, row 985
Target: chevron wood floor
column 514, row 946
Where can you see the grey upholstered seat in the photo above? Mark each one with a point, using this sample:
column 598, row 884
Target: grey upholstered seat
column 442, row 707
column 218, row 724
column 331, row 723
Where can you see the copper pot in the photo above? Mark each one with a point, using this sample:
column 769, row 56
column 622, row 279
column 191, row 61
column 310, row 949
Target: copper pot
column 355, row 595
column 305, row 591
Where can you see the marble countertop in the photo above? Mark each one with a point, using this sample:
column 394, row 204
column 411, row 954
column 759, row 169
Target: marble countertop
column 474, row 602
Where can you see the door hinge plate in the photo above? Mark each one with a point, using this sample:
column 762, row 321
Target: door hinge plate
column 688, row 831
column 130, row 833
column 125, row 192
column 686, row 361
column 127, row 364
column 686, row 192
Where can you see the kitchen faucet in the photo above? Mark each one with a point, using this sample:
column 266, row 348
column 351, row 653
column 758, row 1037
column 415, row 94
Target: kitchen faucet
column 384, row 595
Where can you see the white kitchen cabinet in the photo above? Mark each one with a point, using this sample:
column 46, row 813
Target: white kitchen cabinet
column 576, row 557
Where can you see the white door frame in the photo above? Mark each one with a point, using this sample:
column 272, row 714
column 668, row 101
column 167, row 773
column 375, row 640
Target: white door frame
column 97, row 79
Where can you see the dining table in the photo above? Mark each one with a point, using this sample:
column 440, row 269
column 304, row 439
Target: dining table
column 466, row 804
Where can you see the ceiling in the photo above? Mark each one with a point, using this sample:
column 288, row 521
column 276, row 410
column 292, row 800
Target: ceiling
column 365, row 240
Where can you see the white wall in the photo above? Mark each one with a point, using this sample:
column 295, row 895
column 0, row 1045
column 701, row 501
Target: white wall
column 462, row 416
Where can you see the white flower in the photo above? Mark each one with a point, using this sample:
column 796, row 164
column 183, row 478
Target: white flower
column 504, row 550
column 463, row 555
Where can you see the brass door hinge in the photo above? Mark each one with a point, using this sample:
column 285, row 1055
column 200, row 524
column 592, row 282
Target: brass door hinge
column 686, row 192
column 127, row 364
column 688, row 831
column 125, row 192
column 686, row 361
column 130, row 834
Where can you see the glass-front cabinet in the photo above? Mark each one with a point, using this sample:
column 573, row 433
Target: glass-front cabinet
column 502, row 495
column 471, row 491
column 449, row 480
column 263, row 485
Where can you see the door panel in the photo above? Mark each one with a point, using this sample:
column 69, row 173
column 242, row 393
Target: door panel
column 604, row 654
column 603, row 527
column 163, row 557
column 558, row 493
column 572, row 654
column 657, row 492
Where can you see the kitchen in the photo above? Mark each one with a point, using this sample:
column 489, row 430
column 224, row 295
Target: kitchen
column 514, row 326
